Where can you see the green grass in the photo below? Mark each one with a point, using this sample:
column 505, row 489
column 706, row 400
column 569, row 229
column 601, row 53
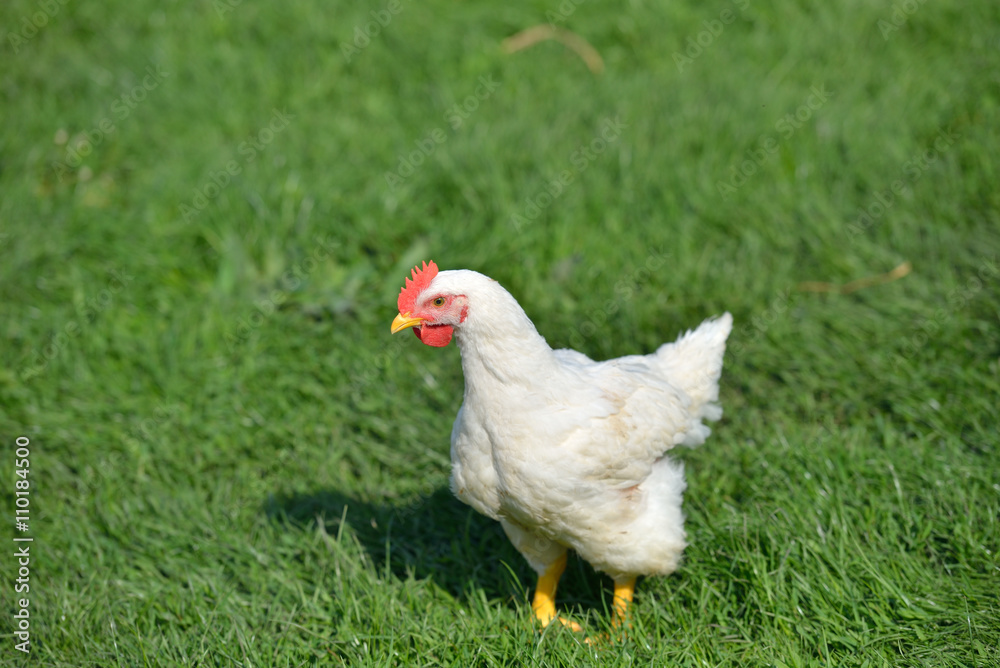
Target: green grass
column 233, row 463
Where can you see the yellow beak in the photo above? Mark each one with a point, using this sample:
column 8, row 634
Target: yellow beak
column 404, row 321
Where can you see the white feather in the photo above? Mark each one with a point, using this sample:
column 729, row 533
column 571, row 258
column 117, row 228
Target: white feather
column 568, row 452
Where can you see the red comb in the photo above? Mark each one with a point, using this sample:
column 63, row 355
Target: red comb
column 422, row 277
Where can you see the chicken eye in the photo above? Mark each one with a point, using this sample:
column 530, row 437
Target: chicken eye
column 438, row 301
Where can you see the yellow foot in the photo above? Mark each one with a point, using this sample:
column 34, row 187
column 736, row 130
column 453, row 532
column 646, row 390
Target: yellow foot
column 545, row 611
column 568, row 623
column 624, row 589
column 544, row 603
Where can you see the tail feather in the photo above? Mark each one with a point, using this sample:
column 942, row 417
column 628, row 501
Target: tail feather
column 694, row 363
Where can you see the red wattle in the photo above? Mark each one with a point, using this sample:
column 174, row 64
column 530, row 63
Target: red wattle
column 434, row 335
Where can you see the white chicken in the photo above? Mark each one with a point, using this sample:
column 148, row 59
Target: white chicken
column 563, row 451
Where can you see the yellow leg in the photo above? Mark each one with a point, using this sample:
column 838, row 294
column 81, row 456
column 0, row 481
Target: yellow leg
column 624, row 589
column 544, row 603
column 623, row 599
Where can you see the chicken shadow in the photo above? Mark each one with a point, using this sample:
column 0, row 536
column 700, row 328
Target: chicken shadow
column 437, row 537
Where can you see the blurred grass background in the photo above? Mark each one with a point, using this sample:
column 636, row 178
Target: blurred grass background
column 234, row 464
